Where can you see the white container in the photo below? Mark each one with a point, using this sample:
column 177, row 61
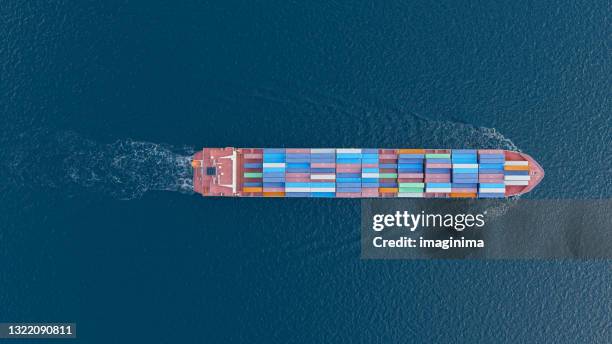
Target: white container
column 348, row 150
column 516, row 182
column 323, row 189
column 493, row 190
column 438, row 190
column 322, row 150
column 517, row 177
column 322, row 177
column 516, row 163
column 465, row 165
column 297, row 189
column 274, row 164
column 370, row 175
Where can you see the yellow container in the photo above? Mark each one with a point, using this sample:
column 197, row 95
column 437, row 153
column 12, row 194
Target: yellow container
column 411, row 151
column 388, row 190
column 274, row 194
column 516, row 168
column 463, row 195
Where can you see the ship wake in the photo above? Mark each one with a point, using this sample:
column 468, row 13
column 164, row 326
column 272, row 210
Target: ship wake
column 68, row 163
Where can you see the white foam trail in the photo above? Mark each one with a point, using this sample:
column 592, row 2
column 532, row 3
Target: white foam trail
column 126, row 169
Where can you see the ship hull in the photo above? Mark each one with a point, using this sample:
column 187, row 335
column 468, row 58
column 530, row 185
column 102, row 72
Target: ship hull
column 363, row 173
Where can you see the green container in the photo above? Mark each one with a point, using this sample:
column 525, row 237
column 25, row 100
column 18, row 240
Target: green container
column 253, row 175
column 411, row 185
column 438, row 156
column 402, row 190
column 387, row 175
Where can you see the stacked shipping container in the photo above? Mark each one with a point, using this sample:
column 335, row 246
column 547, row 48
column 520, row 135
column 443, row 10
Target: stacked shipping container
column 332, row 172
column 491, row 173
column 323, row 172
column 387, row 175
column 297, row 177
column 516, row 173
column 348, row 172
column 438, row 173
column 465, row 173
column 411, row 173
column 370, row 172
column 252, row 172
column 274, row 167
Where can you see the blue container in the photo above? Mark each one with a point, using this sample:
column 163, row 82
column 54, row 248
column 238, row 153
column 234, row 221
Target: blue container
column 369, row 156
column 369, row 160
column 323, row 194
column 298, row 155
column 348, row 180
column 348, row 155
column 253, row 165
column 516, row 173
column 298, row 165
column 348, row 185
column 274, row 169
column 491, row 195
column 370, row 170
column 298, row 160
column 464, row 185
column 491, row 185
column 273, row 184
column 339, row 189
column 465, row 170
column 388, row 184
column 369, row 180
column 369, row 151
column 323, row 155
column 322, row 185
column 298, row 184
column 297, row 194
column 412, row 156
column 273, row 174
column 347, row 161
column 464, row 151
column 274, row 150
column 274, row 158
column 467, row 160
column 439, row 185
column 274, row 179
column 348, row 175
column 387, row 165
column 370, row 185
column 252, row 184
column 400, row 165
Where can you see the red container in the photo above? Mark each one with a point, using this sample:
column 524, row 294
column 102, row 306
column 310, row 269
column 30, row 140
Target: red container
column 410, row 175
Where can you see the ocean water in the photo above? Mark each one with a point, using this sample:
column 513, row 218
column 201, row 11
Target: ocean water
column 103, row 103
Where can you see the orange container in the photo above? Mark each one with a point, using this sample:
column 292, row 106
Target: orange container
column 462, row 195
column 252, row 189
column 411, row 151
column 387, row 190
column 516, row 168
column 274, row 194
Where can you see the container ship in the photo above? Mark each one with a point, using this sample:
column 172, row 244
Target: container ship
column 363, row 173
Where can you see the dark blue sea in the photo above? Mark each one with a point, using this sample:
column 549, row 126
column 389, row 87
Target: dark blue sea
column 102, row 103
